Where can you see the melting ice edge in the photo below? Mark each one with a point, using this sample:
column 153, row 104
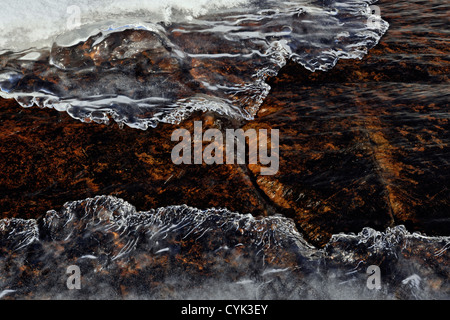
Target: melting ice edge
column 179, row 252
column 139, row 72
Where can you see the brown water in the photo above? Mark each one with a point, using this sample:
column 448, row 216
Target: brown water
column 365, row 144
